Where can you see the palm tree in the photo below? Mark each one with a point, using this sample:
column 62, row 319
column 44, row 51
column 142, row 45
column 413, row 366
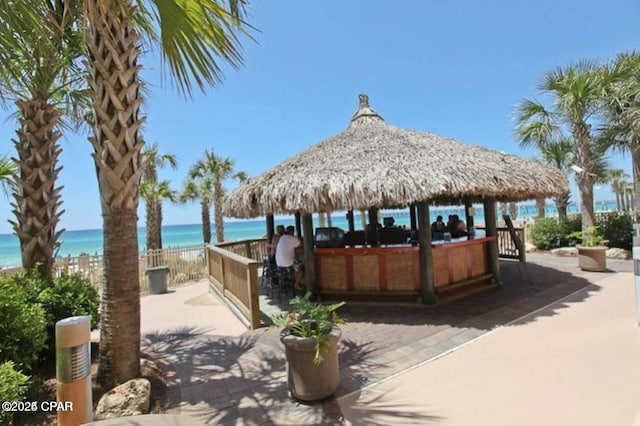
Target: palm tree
column 559, row 154
column 622, row 105
column 541, row 208
column 615, row 178
column 8, row 169
column 577, row 93
column 214, row 170
column 194, row 35
column 536, row 127
column 39, row 74
column 197, row 188
column 154, row 192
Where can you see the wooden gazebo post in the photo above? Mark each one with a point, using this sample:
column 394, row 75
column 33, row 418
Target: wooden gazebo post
column 412, row 217
column 491, row 230
column 468, row 209
column 309, row 256
column 271, row 230
column 425, row 254
column 350, row 221
column 372, row 231
column 298, row 225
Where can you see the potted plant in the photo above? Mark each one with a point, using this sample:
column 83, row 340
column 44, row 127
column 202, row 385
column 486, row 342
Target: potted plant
column 592, row 249
column 310, row 337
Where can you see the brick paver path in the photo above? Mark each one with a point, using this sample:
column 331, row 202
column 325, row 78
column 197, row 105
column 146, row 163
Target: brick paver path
column 221, row 380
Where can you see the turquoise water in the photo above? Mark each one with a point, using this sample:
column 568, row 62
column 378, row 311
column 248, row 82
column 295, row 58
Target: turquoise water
column 90, row 240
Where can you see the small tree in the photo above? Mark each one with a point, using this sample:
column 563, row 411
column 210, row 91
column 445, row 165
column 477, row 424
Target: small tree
column 206, row 182
column 155, row 192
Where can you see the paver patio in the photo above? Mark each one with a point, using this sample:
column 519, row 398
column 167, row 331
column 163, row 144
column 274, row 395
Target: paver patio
column 238, row 377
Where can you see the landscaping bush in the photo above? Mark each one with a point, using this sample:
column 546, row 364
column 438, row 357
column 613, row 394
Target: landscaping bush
column 66, row 296
column 546, row 233
column 617, row 228
column 22, row 324
column 13, row 386
column 567, row 227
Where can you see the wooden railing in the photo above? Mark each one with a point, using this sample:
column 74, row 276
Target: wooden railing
column 235, row 278
column 255, row 249
column 506, row 246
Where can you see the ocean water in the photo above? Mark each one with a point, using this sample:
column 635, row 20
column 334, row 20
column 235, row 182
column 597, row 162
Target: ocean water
column 90, row 240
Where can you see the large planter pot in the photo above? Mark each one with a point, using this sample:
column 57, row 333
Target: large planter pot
column 592, row 258
column 308, row 381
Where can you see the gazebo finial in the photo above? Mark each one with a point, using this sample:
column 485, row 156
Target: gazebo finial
column 364, row 100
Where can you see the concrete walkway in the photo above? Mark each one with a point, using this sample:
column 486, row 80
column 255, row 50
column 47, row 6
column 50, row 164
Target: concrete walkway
column 576, row 363
column 219, row 373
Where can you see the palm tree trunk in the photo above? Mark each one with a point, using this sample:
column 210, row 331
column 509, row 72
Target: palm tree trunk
column 617, row 192
column 120, row 302
column 37, row 198
column 561, row 205
column 218, row 212
column 159, row 226
column 206, row 221
column 152, row 224
column 540, row 206
column 580, row 131
column 513, row 210
column 112, row 48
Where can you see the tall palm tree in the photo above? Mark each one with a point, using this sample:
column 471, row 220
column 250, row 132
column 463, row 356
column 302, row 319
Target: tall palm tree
column 541, row 208
column 559, row 154
column 195, row 34
column 576, row 92
column 39, row 74
column 199, row 189
column 615, row 178
column 622, row 105
column 215, row 169
column 155, row 192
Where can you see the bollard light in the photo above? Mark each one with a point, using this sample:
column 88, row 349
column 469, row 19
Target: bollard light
column 73, row 370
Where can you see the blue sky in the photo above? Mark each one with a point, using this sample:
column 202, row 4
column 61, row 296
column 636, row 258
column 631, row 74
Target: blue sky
column 453, row 68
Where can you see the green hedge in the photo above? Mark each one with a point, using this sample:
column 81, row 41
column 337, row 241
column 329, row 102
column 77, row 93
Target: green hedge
column 22, row 324
column 616, row 228
column 34, row 307
column 13, row 387
column 66, row 296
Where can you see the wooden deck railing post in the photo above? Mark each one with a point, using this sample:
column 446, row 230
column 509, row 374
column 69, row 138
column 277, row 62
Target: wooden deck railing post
column 491, row 230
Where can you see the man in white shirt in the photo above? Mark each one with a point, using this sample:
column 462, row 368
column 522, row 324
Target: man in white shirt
column 286, row 250
column 287, row 261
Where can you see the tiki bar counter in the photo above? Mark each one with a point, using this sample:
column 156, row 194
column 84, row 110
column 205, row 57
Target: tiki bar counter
column 373, row 166
column 392, row 273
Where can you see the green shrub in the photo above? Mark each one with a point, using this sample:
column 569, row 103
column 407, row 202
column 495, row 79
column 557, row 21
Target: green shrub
column 66, row 296
column 569, row 226
column 22, row 324
column 546, row 233
column 617, row 228
column 13, row 386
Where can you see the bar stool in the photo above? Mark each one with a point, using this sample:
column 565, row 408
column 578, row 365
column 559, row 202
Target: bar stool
column 286, row 278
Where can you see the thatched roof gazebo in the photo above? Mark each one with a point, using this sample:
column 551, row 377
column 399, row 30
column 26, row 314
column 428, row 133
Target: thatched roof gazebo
column 375, row 165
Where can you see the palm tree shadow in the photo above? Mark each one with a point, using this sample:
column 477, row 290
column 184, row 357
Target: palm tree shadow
column 376, row 411
column 220, row 379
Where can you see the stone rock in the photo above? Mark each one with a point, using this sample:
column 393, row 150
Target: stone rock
column 530, row 248
column 565, row 252
column 618, row 253
column 129, row 399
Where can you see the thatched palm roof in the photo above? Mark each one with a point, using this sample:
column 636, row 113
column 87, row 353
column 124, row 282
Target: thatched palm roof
column 373, row 164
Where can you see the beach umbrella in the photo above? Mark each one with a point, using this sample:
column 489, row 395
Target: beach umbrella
column 374, row 164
